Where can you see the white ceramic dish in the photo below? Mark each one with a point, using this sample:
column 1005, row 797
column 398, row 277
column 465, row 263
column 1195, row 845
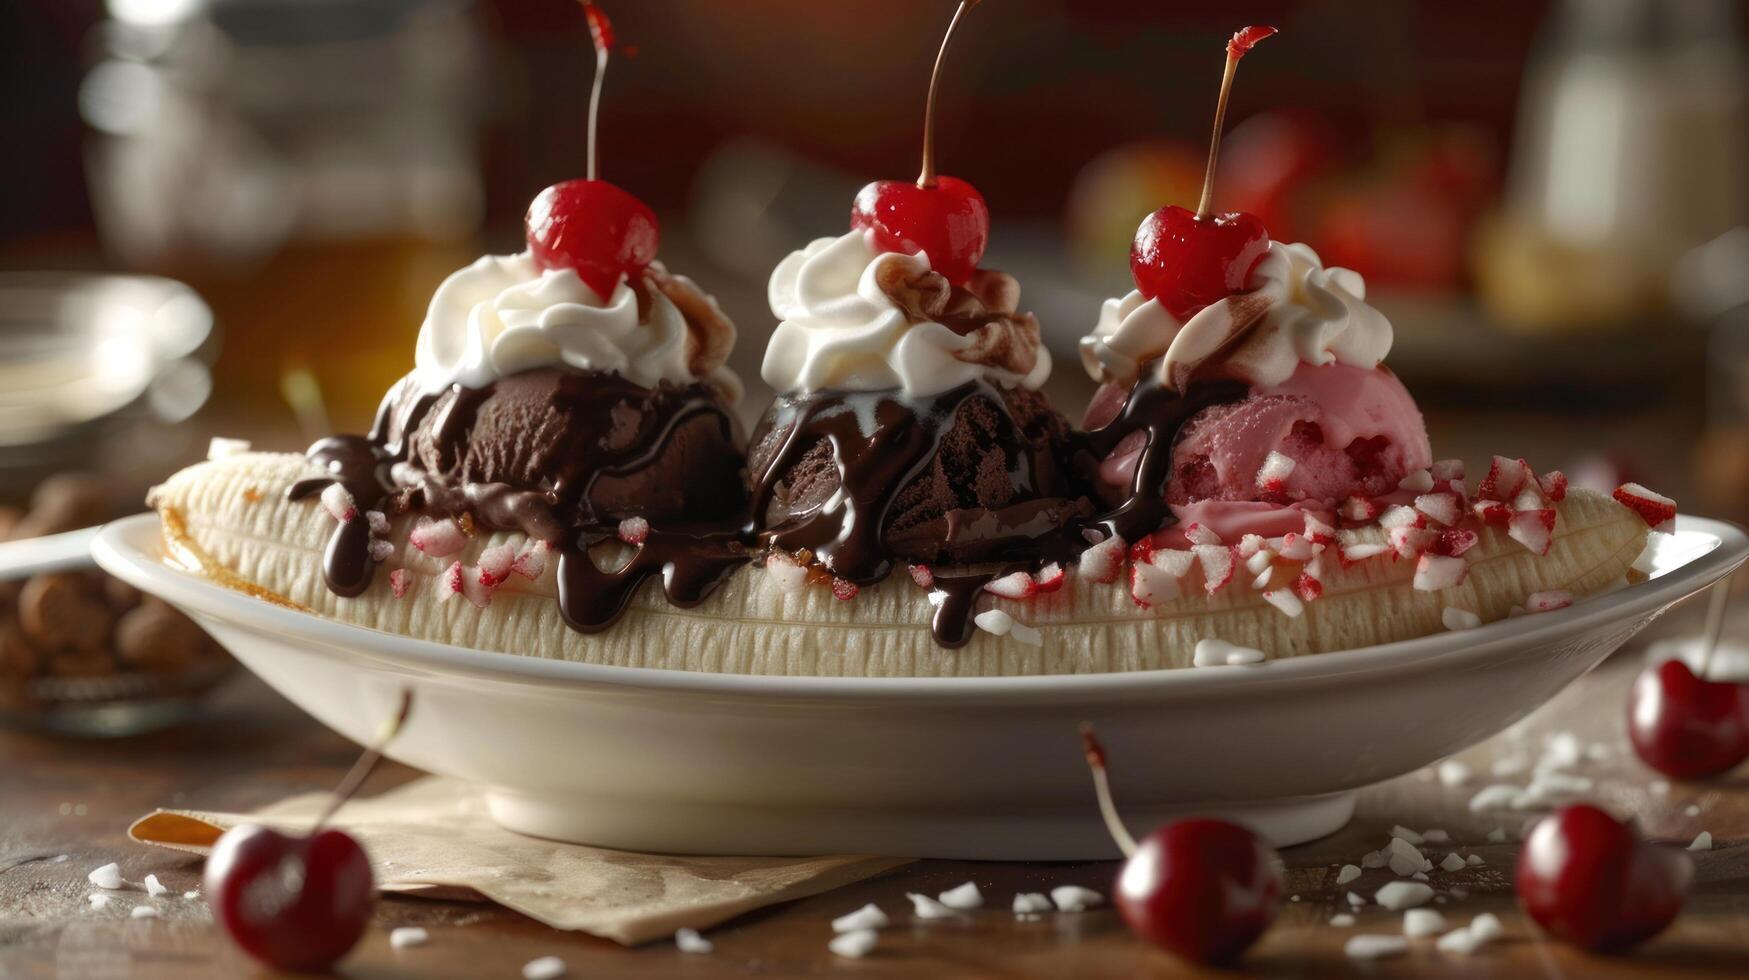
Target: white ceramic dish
column 680, row 762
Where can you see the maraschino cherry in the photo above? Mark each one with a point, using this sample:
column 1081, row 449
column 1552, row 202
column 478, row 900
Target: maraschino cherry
column 298, row 902
column 1687, row 727
column 1188, row 261
column 1201, row 888
column 590, row 225
column 1590, row 880
column 943, row 217
column 1684, row 726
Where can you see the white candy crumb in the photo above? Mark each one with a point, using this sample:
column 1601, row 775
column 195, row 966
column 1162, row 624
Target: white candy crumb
column 1022, row 633
column 925, row 907
column 1404, row 833
column 406, row 937
column 854, row 945
column 1453, row 773
column 1703, row 841
column 1404, row 858
column 1400, row 895
column 1692, row 810
column 1494, row 797
column 965, row 896
column 1213, row 652
column 1453, row 862
column 994, row 621
column 1456, row 619
column 1074, row 898
column 1373, row 859
column 1422, row 922
column 154, row 887
column 1370, row 947
column 1342, row 921
column 191, row 895
column 1355, row 900
column 1474, row 861
column 1348, row 873
column 220, row 448
column 1659, row 786
column 545, row 968
column 1419, row 876
column 1031, row 903
column 1463, row 942
column 689, row 941
column 869, row 916
column 98, row 901
column 143, row 912
column 1497, row 835
column 108, row 876
column 1486, row 927
column 1436, row 837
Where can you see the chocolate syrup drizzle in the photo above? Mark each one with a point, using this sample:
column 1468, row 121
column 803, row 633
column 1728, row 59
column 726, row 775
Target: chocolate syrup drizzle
column 376, row 471
column 879, row 442
column 1161, row 413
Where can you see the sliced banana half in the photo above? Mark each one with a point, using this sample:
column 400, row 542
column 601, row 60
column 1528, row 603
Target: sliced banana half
column 229, row 520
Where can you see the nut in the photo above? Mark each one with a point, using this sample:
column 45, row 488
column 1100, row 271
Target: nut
column 82, row 665
column 19, row 658
column 65, row 502
column 121, row 595
column 157, row 638
column 62, row 613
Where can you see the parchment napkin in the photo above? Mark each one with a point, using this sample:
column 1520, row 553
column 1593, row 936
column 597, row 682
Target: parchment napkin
column 433, row 838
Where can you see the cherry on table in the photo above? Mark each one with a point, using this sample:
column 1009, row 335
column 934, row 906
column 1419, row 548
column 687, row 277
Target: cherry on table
column 1687, row 727
column 292, row 901
column 1188, row 260
column 1591, row 881
column 1201, row 888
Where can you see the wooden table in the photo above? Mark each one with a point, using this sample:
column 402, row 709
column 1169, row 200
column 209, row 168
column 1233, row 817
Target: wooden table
column 65, row 806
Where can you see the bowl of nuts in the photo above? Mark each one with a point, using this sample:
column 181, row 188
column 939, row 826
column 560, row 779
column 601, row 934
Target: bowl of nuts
column 81, row 652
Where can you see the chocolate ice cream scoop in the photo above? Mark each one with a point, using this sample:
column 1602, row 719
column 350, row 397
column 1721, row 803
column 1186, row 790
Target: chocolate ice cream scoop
column 866, row 479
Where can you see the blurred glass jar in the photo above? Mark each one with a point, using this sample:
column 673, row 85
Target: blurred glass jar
column 310, row 168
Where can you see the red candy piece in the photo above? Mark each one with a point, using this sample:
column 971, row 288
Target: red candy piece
column 1203, row 889
column 1592, row 882
column 593, row 227
column 948, row 220
column 1687, row 727
column 1188, row 263
column 295, row 903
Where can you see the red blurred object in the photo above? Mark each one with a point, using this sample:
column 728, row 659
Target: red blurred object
column 1686, row 727
column 1592, row 882
column 1270, row 164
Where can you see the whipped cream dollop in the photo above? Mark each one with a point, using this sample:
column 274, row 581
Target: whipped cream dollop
column 504, row 314
column 840, row 326
column 1296, row 311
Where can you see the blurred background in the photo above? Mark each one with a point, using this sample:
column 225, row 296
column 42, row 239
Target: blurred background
column 1549, row 199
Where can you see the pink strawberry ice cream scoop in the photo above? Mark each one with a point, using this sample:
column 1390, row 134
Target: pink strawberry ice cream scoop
column 1329, row 432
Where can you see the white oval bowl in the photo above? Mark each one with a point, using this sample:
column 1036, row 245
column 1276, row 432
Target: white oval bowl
column 978, row 768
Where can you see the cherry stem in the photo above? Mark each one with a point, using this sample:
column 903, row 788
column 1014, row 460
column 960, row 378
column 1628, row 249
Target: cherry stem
column 927, row 177
column 361, row 769
column 1715, row 624
column 1095, row 752
column 601, row 35
column 1236, row 48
